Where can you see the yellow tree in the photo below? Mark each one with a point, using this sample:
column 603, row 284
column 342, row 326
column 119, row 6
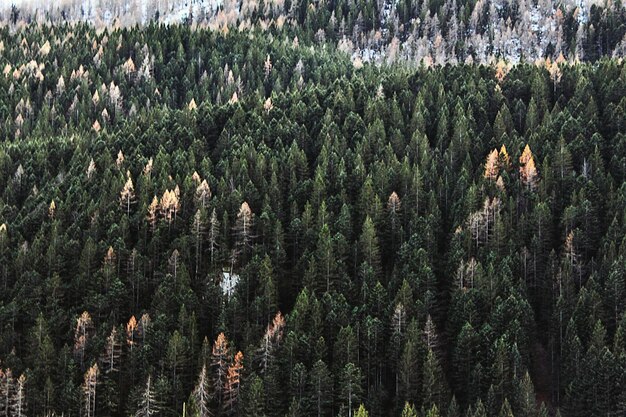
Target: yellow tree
column 219, row 362
column 153, row 210
column 243, row 229
column 203, row 193
column 120, row 157
column 89, row 391
column 528, row 171
column 504, row 161
column 127, row 195
column 52, row 208
column 491, row 165
column 84, row 325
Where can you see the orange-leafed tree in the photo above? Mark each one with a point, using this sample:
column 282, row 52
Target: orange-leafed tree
column 220, row 363
column 131, row 332
column 271, row 341
column 233, row 382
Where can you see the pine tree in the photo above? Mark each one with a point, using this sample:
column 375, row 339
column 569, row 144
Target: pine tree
column 254, row 397
column 434, row 391
column 368, row 246
column 527, row 406
column 321, row 388
column 362, row 412
column 350, row 384
column 409, row 410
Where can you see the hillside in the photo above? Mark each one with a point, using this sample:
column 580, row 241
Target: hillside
column 249, row 218
column 381, row 31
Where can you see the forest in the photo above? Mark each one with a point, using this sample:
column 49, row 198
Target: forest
column 202, row 222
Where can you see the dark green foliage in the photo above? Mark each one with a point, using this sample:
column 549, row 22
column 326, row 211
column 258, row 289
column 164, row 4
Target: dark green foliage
column 354, row 201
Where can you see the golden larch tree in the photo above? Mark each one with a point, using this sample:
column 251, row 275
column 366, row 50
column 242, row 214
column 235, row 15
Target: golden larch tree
column 528, row 171
column 127, row 195
column 84, row 325
column 120, row 159
column 52, row 208
column 504, row 161
column 89, row 391
column 153, row 210
column 491, row 165
column 203, row 193
column 243, row 227
column 219, row 362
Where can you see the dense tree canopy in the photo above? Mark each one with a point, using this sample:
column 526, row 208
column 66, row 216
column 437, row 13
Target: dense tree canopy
column 229, row 225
